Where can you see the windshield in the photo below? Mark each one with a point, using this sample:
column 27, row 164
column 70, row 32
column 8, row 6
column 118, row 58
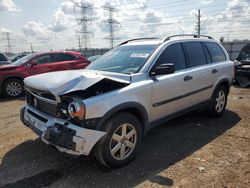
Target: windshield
column 24, row 59
column 123, row 59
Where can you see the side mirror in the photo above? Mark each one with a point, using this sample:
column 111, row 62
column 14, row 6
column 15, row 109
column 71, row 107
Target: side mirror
column 163, row 69
column 32, row 63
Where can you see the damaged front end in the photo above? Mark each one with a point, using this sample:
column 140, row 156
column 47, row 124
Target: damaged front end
column 57, row 114
column 242, row 73
column 65, row 136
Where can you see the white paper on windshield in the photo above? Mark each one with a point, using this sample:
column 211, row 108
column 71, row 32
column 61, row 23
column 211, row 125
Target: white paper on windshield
column 139, row 55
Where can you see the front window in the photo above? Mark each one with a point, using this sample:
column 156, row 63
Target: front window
column 43, row 59
column 123, row 59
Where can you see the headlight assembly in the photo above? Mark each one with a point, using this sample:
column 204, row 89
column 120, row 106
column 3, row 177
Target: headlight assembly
column 76, row 109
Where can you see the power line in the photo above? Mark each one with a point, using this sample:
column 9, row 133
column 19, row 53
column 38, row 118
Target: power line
column 111, row 23
column 84, row 21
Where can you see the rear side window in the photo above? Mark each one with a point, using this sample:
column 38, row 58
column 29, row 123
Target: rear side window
column 173, row 54
column 3, row 58
column 215, row 51
column 208, row 56
column 63, row 57
column 196, row 53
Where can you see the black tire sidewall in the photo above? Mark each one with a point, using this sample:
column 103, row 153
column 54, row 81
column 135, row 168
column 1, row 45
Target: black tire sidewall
column 9, row 81
column 103, row 151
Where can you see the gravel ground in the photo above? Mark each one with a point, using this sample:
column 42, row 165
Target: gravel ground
column 190, row 151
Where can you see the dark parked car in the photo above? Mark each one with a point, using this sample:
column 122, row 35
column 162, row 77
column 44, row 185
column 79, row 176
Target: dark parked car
column 11, row 76
column 16, row 57
column 242, row 69
column 4, row 59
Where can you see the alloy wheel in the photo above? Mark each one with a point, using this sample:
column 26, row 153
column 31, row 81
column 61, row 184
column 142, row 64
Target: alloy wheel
column 220, row 101
column 123, row 141
column 14, row 89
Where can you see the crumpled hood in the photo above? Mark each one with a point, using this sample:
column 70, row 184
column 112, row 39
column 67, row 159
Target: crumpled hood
column 62, row 82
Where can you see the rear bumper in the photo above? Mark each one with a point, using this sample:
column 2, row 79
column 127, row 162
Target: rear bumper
column 63, row 135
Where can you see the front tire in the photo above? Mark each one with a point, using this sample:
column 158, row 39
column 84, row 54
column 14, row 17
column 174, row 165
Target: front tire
column 13, row 88
column 218, row 102
column 122, row 141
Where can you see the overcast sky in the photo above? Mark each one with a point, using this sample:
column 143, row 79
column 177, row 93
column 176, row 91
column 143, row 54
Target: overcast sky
column 51, row 24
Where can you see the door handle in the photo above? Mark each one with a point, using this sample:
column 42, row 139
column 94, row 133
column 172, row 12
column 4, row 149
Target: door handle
column 214, row 71
column 186, row 78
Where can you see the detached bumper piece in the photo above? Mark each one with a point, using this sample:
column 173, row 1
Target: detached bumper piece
column 63, row 135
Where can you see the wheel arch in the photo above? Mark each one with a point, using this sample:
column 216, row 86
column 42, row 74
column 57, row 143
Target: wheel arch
column 11, row 77
column 6, row 79
column 133, row 108
column 224, row 82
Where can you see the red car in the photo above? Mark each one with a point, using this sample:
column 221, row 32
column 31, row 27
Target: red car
column 11, row 76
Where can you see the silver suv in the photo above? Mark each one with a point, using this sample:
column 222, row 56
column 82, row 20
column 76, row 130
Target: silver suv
column 107, row 108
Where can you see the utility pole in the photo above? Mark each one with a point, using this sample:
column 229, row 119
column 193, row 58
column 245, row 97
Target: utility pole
column 8, row 40
column 31, row 48
column 198, row 23
column 84, row 21
column 79, row 42
column 111, row 24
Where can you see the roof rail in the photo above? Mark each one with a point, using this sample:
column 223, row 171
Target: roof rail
column 130, row 40
column 186, row 35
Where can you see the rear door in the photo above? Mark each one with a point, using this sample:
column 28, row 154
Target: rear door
column 219, row 65
column 63, row 61
column 170, row 93
column 200, row 72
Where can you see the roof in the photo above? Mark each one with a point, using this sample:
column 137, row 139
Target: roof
column 144, row 41
column 55, row 52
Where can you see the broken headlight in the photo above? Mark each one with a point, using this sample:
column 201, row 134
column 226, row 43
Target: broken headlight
column 76, row 109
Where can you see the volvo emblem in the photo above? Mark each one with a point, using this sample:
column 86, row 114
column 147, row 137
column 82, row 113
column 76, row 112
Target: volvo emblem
column 35, row 102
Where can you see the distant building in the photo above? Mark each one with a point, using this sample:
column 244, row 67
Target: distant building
column 235, row 47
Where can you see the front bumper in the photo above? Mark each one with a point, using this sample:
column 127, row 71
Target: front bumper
column 65, row 136
column 243, row 75
column 243, row 70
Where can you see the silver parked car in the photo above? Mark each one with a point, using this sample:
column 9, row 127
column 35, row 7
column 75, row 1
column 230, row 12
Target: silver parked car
column 107, row 108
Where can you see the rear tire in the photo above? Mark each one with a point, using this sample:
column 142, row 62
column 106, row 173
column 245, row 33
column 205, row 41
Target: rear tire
column 13, row 88
column 122, row 141
column 218, row 102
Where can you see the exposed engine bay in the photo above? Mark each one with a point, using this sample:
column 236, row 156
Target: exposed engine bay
column 101, row 87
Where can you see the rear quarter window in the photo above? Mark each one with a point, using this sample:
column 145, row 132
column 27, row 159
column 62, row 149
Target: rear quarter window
column 215, row 51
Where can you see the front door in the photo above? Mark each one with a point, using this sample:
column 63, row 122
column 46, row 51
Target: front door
column 171, row 92
column 43, row 65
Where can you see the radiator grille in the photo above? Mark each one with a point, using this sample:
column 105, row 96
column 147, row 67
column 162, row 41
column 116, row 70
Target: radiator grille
column 40, row 102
